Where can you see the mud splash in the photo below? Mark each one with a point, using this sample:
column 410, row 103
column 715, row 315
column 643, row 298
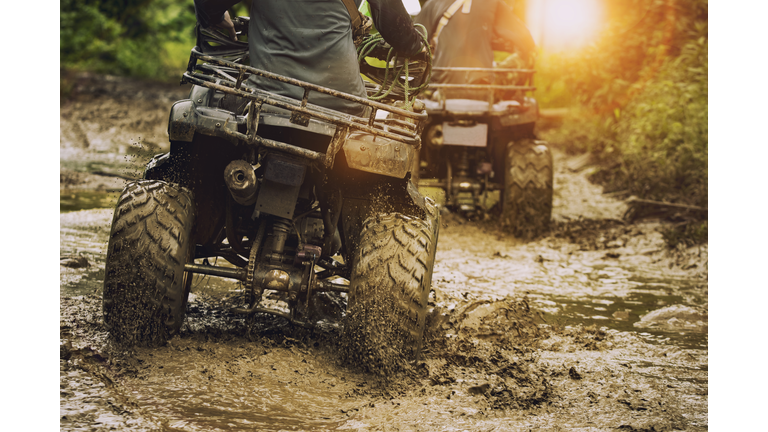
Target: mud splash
column 285, row 378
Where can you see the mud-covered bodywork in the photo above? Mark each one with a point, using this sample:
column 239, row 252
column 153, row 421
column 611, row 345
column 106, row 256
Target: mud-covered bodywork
column 480, row 139
column 468, row 129
column 303, row 202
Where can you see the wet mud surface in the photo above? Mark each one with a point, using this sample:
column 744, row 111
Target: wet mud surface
column 596, row 326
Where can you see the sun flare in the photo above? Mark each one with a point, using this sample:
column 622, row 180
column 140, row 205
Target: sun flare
column 558, row 25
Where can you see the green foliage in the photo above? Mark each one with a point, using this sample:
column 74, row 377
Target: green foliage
column 642, row 93
column 127, row 37
column 665, row 129
column 553, row 88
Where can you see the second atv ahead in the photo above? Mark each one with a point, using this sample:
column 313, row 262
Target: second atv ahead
column 300, row 200
column 474, row 145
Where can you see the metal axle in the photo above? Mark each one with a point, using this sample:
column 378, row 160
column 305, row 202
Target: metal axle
column 239, row 274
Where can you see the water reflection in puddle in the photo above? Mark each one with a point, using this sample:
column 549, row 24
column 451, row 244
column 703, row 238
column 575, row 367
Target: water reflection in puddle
column 619, row 314
column 83, row 234
column 639, row 296
column 70, row 200
column 243, row 394
column 568, row 285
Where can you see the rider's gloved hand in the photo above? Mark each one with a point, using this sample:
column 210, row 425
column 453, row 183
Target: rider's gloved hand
column 227, row 25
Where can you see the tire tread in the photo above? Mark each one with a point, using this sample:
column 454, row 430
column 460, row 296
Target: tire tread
column 528, row 189
column 144, row 289
column 389, row 288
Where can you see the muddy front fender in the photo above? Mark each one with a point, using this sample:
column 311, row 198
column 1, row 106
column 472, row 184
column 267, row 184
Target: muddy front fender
column 379, row 155
column 187, row 118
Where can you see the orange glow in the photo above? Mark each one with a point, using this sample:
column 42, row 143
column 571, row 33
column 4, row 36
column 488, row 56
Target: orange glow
column 557, row 25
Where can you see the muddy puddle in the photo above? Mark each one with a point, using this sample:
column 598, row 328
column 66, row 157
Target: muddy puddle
column 614, row 286
column 74, row 200
column 595, row 327
column 585, row 358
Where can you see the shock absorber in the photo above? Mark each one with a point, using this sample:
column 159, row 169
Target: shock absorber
column 463, row 164
column 280, row 229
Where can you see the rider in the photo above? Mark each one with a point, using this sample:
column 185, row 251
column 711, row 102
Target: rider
column 464, row 33
column 312, row 41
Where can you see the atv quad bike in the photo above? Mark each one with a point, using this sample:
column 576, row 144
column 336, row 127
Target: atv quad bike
column 298, row 199
column 472, row 147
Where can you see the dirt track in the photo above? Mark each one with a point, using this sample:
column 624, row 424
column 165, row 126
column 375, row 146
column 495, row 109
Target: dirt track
column 596, row 326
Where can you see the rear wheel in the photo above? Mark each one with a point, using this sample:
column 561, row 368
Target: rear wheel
column 527, row 200
column 145, row 285
column 389, row 288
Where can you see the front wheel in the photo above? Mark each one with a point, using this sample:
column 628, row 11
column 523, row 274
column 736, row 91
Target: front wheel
column 389, row 288
column 528, row 178
column 145, row 285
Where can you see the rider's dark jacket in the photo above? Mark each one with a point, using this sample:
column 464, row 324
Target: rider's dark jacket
column 468, row 40
column 311, row 40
